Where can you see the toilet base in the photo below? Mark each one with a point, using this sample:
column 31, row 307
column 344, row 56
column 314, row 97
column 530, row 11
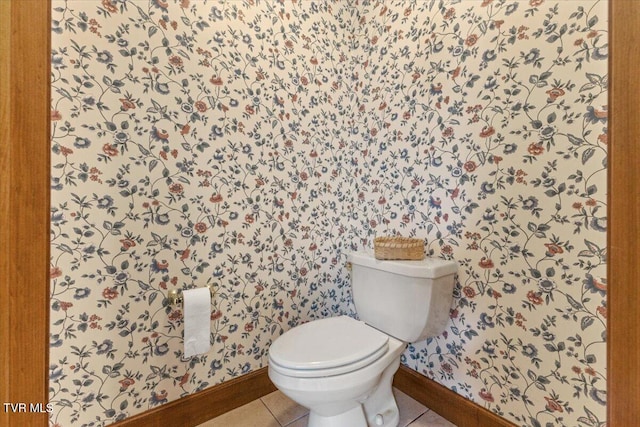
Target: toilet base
column 381, row 408
column 352, row 418
column 378, row 410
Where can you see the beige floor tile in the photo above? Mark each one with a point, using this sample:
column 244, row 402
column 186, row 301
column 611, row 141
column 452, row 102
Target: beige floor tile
column 409, row 408
column 253, row 414
column 431, row 419
column 283, row 409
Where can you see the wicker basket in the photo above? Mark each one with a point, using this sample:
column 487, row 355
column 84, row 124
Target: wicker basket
column 397, row 247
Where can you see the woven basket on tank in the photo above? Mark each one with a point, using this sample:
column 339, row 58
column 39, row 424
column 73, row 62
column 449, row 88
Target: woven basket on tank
column 400, row 248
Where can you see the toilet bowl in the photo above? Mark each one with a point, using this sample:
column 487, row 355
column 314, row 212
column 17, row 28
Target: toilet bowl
column 341, row 368
column 345, row 381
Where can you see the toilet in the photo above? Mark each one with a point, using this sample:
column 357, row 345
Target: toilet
column 341, row 368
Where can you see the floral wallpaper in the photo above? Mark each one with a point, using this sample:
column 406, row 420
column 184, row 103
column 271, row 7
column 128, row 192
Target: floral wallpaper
column 249, row 144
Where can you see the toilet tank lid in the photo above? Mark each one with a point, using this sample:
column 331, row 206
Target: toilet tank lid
column 429, row 268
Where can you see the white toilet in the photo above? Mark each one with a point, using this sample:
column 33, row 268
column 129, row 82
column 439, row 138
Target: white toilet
column 341, row 368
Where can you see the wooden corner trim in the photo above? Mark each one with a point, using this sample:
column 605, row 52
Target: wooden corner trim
column 202, row 406
column 450, row 405
column 24, row 208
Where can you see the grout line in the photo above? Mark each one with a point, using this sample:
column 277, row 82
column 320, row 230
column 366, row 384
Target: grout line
column 416, row 417
column 270, row 412
column 294, row 420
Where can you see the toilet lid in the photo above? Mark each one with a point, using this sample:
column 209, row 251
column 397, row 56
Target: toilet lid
column 325, row 347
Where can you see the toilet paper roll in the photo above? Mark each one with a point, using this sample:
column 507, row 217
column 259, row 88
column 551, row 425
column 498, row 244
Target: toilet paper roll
column 197, row 321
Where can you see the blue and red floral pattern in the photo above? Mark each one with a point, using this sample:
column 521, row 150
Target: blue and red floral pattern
column 249, row 144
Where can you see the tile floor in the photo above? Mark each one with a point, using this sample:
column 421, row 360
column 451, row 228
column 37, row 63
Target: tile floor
column 277, row 410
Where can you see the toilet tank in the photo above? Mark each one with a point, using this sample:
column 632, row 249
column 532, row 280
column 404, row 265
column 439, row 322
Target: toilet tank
column 409, row 300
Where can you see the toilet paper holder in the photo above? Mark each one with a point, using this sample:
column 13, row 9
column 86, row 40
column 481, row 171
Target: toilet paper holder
column 174, row 296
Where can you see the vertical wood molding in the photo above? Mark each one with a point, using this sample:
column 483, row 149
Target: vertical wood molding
column 623, row 294
column 5, row 153
column 24, row 215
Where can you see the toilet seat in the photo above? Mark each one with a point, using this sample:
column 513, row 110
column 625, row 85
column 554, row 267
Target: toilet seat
column 327, row 347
